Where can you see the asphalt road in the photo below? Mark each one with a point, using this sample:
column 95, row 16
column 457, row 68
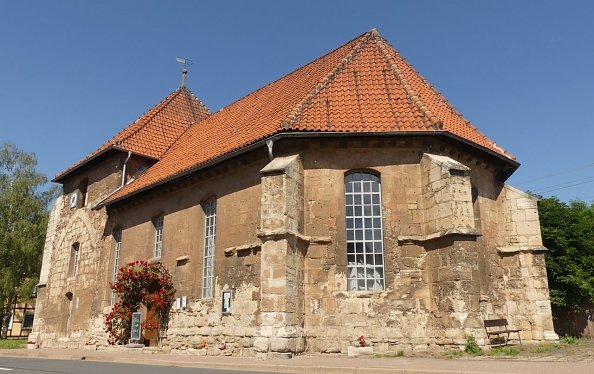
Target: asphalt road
column 18, row 365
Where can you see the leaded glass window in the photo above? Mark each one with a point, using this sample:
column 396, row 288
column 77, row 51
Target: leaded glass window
column 210, row 225
column 158, row 222
column 117, row 237
column 365, row 253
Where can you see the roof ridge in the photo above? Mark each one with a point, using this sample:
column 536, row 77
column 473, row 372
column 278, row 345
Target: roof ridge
column 437, row 93
column 289, row 73
column 401, row 78
column 191, row 103
column 163, row 103
column 296, row 112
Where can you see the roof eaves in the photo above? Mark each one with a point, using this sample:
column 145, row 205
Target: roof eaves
column 72, row 169
column 438, row 124
column 513, row 165
column 105, row 150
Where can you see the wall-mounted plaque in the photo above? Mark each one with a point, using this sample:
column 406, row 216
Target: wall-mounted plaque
column 135, row 330
column 226, row 302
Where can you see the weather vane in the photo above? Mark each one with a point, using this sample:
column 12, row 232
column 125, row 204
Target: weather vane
column 185, row 62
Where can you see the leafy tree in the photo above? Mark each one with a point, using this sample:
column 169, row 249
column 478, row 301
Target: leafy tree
column 568, row 233
column 23, row 222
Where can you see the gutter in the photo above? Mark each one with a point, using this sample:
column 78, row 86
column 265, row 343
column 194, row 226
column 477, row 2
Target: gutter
column 286, row 135
column 59, row 177
column 98, row 205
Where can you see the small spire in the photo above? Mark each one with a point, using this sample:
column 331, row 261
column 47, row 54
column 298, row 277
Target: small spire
column 185, row 62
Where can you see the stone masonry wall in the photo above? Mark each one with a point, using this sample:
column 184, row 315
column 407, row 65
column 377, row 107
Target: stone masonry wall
column 459, row 247
column 69, row 312
column 281, row 303
column 524, row 276
column 200, row 327
column 441, row 280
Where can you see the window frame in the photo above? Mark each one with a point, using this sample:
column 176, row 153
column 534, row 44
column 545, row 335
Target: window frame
column 75, row 256
column 364, row 231
column 209, row 208
column 83, row 189
column 117, row 237
column 27, row 326
column 158, row 223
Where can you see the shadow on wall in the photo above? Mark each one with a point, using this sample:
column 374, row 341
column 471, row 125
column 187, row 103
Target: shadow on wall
column 578, row 323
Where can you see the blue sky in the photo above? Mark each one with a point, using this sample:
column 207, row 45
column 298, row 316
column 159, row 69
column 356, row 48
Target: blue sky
column 73, row 73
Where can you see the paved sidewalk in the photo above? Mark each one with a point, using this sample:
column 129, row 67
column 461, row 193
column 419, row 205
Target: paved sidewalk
column 318, row 363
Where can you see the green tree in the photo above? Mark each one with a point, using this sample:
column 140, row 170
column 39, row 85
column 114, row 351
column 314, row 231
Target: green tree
column 23, row 222
column 568, row 233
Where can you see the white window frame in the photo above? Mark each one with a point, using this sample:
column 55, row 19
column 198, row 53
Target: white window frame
column 364, row 231
column 210, row 228
column 158, row 222
column 117, row 237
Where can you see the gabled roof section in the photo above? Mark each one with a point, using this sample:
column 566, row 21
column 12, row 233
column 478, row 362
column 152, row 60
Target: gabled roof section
column 375, row 89
column 155, row 131
column 362, row 86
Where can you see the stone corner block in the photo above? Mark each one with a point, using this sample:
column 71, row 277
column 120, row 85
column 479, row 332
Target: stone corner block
column 279, row 164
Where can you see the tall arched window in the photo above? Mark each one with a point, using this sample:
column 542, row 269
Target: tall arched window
column 158, row 223
column 74, row 259
column 365, row 253
column 117, row 238
column 210, row 229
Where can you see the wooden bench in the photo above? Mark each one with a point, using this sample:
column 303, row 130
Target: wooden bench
column 498, row 328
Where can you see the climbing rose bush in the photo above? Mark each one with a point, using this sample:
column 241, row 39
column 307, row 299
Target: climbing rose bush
column 138, row 283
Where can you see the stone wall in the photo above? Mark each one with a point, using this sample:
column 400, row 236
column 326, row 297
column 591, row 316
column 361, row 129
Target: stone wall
column 200, row 327
column 443, row 277
column 521, row 257
column 69, row 312
column 281, row 225
column 459, row 247
column 431, row 295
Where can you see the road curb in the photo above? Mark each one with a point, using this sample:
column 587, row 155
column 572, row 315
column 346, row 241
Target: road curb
column 278, row 368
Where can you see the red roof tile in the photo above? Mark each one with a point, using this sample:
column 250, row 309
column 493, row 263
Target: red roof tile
column 361, row 86
column 154, row 132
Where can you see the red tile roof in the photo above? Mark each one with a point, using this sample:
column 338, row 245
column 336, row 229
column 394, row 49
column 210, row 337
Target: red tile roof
column 362, row 86
column 154, row 132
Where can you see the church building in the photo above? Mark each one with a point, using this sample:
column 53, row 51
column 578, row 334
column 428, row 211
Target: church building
column 348, row 198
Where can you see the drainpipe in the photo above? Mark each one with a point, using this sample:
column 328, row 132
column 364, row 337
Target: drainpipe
column 270, row 144
column 124, row 170
column 121, row 184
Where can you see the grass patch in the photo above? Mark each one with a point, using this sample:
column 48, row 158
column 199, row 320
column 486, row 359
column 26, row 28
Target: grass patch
column 453, row 353
column 545, row 348
column 504, row 351
column 390, row 354
column 569, row 340
column 12, row 343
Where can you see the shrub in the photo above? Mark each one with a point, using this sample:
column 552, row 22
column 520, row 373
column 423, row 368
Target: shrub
column 472, row 347
column 137, row 283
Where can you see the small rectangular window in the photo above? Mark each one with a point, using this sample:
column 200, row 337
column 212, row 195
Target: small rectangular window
column 158, row 222
column 210, row 217
column 74, row 257
column 28, row 321
column 83, row 188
